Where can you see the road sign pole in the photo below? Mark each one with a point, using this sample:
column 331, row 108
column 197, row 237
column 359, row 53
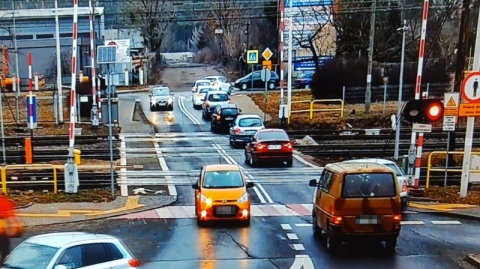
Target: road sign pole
column 266, row 95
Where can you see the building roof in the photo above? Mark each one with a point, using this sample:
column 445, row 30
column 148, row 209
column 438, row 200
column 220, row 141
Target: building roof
column 47, row 13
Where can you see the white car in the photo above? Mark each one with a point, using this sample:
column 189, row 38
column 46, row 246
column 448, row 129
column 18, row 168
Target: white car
column 200, row 82
column 401, row 177
column 245, row 127
column 197, row 98
column 71, row 250
column 220, row 83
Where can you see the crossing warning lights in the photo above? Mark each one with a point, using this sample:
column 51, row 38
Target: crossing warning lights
column 423, row 111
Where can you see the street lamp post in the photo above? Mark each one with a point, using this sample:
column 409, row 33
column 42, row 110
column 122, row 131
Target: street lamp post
column 400, row 92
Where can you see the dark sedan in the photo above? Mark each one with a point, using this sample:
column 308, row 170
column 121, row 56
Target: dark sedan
column 245, row 82
column 269, row 144
column 302, row 81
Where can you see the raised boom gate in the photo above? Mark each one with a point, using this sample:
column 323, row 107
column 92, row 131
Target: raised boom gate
column 28, row 167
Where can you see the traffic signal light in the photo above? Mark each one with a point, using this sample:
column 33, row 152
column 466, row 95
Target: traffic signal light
column 423, row 111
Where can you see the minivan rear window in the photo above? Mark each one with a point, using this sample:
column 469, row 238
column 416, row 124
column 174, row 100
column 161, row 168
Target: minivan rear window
column 368, row 185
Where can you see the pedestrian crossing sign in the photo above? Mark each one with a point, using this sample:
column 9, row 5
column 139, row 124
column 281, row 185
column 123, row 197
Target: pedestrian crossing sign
column 252, row 56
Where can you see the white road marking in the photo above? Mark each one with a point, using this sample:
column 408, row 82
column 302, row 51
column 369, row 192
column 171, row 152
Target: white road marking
column 270, row 201
column 286, row 226
column 259, row 195
column 163, row 165
column 412, row 222
column 292, row 236
column 298, row 247
column 181, row 105
column 302, row 261
column 303, row 225
column 443, row 222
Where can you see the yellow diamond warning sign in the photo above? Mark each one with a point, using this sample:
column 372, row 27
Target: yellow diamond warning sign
column 451, row 102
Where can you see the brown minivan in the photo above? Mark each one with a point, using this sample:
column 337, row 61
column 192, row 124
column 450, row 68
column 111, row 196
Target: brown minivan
column 356, row 201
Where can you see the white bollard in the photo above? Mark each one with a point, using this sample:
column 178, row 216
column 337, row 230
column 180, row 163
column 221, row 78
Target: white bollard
column 140, row 76
column 14, row 84
column 36, row 81
column 80, row 76
column 126, row 77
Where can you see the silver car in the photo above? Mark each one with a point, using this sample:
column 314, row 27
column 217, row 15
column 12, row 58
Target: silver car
column 211, row 100
column 71, row 250
column 197, row 97
column 245, row 127
column 161, row 97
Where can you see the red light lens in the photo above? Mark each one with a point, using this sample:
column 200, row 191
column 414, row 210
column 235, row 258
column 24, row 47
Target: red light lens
column 434, row 111
column 134, row 263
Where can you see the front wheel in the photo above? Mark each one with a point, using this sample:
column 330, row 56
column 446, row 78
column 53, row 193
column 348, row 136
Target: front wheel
column 244, row 86
column 271, row 86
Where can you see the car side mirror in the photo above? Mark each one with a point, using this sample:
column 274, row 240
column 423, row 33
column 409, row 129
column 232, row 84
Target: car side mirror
column 60, row 266
column 250, row 185
column 312, row 183
column 195, row 186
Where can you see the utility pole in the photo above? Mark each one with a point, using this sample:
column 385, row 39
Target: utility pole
column 463, row 36
column 59, row 67
column 17, row 76
column 368, row 92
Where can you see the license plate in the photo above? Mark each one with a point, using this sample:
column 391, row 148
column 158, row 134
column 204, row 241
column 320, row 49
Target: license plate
column 274, row 147
column 224, row 210
column 368, row 219
column 228, row 118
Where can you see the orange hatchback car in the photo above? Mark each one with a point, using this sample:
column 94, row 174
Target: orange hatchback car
column 221, row 194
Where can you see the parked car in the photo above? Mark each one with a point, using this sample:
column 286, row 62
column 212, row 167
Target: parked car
column 161, row 97
column 223, row 116
column 401, row 177
column 271, row 145
column 355, row 201
column 302, row 81
column 245, row 82
column 200, row 82
column 211, row 100
column 71, row 250
column 221, row 194
column 220, row 83
column 197, row 97
column 244, row 128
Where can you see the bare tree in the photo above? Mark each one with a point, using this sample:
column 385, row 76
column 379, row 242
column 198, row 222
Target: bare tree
column 312, row 30
column 153, row 18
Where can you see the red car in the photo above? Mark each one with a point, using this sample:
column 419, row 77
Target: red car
column 269, row 144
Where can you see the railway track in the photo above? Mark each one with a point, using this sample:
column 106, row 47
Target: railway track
column 58, row 140
column 46, row 155
column 22, row 180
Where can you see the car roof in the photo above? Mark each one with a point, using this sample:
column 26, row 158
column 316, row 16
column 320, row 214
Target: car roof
column 372, row 160
column 61, row 239
column 218, row 92
column 214, row 77
column 202, row 80
column 221, row 167
column 358, row 167
column 249, row 116
column 272, row 130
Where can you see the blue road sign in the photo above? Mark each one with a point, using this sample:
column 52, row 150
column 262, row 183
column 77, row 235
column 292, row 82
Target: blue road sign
column 252, row 56
column 308, row 3
column 306, row 64
column 32, row 118
column 107, row 54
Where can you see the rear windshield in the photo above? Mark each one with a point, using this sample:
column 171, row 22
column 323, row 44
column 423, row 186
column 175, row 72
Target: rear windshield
column 278, row 135
column 368, row 185
column 250, row 122
column 203, row 83
column 205, row 90
column 230, row 111
column 222, row 179
column 218, row 97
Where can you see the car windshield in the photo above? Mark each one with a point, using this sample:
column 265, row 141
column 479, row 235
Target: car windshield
column 31, row 256
column 211, row 79
column 161, row 92
column 250, row 122
column 276, row 135
column 396, row 169
column 205, row 90
column 222, row 179
column 368, row 185
column 203, row 83
column 218, row 97
column 230, row 111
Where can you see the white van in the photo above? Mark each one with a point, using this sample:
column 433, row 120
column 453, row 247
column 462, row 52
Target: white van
column 401, row 177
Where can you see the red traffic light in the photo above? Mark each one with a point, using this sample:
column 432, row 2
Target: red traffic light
column 423, row 111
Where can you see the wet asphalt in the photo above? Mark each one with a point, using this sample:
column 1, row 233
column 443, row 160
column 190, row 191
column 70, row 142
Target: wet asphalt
column 185, row 144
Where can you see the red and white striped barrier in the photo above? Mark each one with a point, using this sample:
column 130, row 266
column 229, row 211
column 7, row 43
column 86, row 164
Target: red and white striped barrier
column 30, row 90
column 280, row 46
column 418, row 89
column 73, row 85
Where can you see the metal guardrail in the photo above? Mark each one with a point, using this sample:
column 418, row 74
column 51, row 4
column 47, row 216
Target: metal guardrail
column 28, row 167
column 312, row 108
column 444, row 169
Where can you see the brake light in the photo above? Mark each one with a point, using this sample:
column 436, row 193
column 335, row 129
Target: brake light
column 218, row 117
column 237, row 131
column 337, row 220
column 260, row 146
column 207, row 104
column 288, row 145
column 397, row 218
column 134, row 263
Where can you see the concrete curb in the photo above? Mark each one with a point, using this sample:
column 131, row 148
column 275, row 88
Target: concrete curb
column 446, row 214
column 474, row 259
column 132, row 91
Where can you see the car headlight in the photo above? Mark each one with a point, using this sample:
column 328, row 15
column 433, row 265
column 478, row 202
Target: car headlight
column 243, row 199
column 170, row 100
column 204, row 199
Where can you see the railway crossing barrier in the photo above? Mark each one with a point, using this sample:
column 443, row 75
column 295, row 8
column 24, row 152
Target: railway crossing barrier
column 4, row 169
column 312, row 108
column 446, row 169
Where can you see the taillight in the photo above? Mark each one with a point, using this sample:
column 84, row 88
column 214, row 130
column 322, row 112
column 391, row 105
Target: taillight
column 237, row 131
column 218, row 117
column 134, row 263
column 288, row 145
column 337, row 220
column 260, row 146
column 397, row 218
column 207, row 104
column 405, row 186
